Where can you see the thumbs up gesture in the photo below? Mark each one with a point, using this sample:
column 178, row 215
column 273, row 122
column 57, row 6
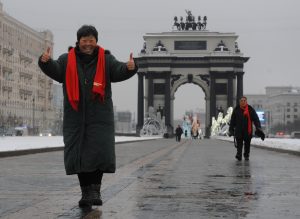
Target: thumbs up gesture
column 130, row 63
column 46, row 55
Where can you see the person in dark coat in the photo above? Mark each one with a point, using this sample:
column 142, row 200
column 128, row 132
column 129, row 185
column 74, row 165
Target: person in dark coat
column 178, row 133
column 242, row 118
column 86, row 73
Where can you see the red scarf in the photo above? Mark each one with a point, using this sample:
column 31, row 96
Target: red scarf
column 72, row 83
column 247, row 114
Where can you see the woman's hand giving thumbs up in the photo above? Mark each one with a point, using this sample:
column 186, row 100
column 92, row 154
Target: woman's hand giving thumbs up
column 130, row 63
column 46, row 55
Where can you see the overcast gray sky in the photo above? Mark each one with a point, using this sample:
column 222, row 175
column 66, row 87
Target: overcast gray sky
column 269, row 33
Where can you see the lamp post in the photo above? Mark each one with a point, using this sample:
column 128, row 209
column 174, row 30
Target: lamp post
column 283, row 116
column 282, row 108
column 284, row 120
column 33, row 112
column 268, row 120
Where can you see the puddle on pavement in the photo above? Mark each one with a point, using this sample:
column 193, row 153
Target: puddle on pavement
column 83, row 213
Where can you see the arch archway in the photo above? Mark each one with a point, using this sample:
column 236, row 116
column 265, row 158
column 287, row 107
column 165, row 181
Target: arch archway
column 201, row 85
column 186, row 57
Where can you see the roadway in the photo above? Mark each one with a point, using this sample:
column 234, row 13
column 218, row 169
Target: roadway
column 158, row 179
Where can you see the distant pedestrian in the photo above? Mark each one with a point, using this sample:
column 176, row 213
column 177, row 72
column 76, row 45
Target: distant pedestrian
column 86, row 73
column 178, row 133
column 242, row 118
column 200, row 133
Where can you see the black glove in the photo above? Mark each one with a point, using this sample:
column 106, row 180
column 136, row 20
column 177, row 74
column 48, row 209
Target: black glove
column 262, row 137
column 259, row 132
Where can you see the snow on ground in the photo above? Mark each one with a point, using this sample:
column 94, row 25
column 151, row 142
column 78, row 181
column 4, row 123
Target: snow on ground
column 287, row 144
column 8, row 143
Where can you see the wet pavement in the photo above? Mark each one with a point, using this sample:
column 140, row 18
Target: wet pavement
column 158, row 179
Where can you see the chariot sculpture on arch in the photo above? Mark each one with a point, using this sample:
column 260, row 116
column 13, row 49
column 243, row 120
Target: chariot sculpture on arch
column 190, row 23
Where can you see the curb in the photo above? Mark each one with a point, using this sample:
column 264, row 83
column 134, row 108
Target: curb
column 29, row 151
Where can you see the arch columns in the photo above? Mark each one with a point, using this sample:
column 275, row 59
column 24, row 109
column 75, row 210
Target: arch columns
column 240, row 87
column 140, row 106
column 230, row 90
column 168, row 103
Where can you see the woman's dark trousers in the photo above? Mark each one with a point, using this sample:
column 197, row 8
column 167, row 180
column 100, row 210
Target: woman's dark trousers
column 240, row 143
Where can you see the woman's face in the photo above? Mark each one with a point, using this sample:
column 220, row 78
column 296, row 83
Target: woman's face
column 87, row 44
column 243, row 102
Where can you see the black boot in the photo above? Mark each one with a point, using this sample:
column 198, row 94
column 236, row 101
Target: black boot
column 95, row 194
column 85, row 200
column 238, row 157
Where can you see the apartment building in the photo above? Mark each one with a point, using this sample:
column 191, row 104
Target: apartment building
column 280, row 105
column 25, row 92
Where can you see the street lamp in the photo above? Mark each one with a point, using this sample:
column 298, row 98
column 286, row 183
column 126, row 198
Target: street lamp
column 268, row 120
column 33, row 112
column 282, row 108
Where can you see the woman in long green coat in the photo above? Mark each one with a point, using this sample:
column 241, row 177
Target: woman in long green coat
column 86, row 73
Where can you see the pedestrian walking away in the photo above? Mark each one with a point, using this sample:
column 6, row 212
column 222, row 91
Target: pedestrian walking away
column 242, row 118
column 178, row 133
column 86, row 73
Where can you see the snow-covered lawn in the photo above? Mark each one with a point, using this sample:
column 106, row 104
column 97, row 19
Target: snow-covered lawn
column 275, row 143
column 29, row 142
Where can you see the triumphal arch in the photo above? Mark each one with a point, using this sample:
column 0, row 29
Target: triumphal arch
column 189, row 54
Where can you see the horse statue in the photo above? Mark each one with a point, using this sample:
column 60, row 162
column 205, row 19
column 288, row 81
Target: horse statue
column 176, row 24
column 204, row 23
column 182, row 24
column 199, row 24
column 190, row 22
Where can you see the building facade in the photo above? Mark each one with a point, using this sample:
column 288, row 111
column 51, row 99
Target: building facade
column 280, row 105
column 123, row 122
column 25, row 92
column 58, row 101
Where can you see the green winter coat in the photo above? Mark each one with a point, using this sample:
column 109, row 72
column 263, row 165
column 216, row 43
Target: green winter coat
column 89, row 132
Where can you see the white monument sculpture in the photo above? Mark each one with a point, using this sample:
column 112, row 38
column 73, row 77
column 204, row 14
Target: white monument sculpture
column 154, row 124
column 186, row 126
column 221, row 125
